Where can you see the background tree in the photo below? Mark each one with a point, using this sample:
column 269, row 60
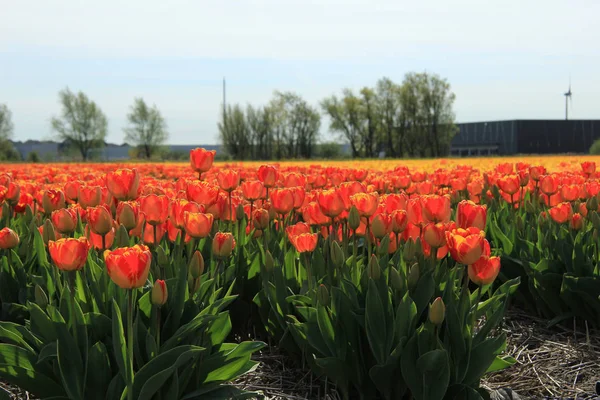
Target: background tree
column 234, row 133
column 388, row 105
column 7, row 150
column 147, row 128
column 82, row 123
column 346, row 119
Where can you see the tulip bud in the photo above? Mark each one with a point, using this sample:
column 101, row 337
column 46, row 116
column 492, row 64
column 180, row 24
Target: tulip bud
column 159, row 293
column 260, row 218
column 28, row 214
column 337, row 255
column 122, row 237
column 196, row 265
column 395, row 280
column 408, row 252
column 323, row 295
column 161, row 257
column 592, row 203
column 595, row 219
column 576, row 222
column 378, row 228
column 529, row 207
column 413, row 275
column 49, row 233
column 240, row 214
column 519, row 222
column 126, row 216
column 269, row 263
column 353, row 218
column 374, row 269
column 41, row 299
column 437, row 311
column 384, row 244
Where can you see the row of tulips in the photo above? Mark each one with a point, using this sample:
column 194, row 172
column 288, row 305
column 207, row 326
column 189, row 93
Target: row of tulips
column 363, row 275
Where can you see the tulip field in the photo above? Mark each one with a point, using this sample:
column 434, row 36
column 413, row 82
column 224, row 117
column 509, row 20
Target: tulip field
column 384, row 279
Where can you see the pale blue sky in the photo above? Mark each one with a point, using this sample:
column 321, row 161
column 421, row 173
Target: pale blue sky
column 508, row 60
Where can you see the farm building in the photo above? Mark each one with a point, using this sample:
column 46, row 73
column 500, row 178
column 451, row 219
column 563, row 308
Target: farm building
column 525, row 137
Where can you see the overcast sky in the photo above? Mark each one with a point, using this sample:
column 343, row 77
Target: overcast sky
column 509, row 60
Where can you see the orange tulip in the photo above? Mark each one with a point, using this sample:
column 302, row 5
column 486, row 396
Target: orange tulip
column 484, row 271
column 299, row 194
column 8, row 239
column 228, row 179
column 268, row 175
column 576, row 222
column 155, row 208
column 588, row 167
column 202, row 193
column 414, row 211
column 201, row 160
column 466, row 245
column 178, row 208
column 197, row 225
column 13, row 193
column 53, row 199
column 260, row 218
column 128, row 267
column 399, row 221
column 536, row 172
column 435, row 234
column 305, row 242
column 436, row 208
column 365, row 203
column 297, row 229
column 569, row 192
column 123, row 184
column 312, row 214
column 128, row 214
column 549, row 185
column 89, row 196
column 69, row 254
column 561, row 213
column 99, row 219
column 282, row 200
column 470, row 214
column 71, row 190
column 252, row 190
column 331, row 202
column 159, row 294
column 152, row 231
column 509, row 184
column 223, row 244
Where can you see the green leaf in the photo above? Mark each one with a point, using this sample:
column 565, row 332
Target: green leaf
column 326, row 328
column 99, row 372
column 154, row 374
column 501, row 363
column 118, row 340
column 376, row 324
column 70, row 364
column 435, row 369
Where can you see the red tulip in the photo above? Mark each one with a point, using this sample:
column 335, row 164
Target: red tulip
column 588, row 167
column 268, row 175
column 96, row 240
column 549, row 185
column 260, row 218
column 89, row 196
column 365, row 203
column 178, row 208
column 71, row 190
column 64, row 220
column 252, row 190
column 201, row 160
column 155, row 208
column 484, row 271
column 128, row 267
column 305, row 242
column 197, row 225
column 509, row 184
column 53, row 200
column 159, row 293
column 436, row 208
column 331, row 202
column 470, row 214
column 435, row 234
column 202, row 193
column 228, row 179
column 282, row 200
column 123, row 184
column 69, row 254
column 576, row 222
column 8, row 239
column 561, row 213
column 399, row 221
column 466, row 245
column 297, row 229
column 223, row 244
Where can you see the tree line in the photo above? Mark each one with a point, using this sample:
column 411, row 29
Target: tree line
column 412, row 119
column 82, row 127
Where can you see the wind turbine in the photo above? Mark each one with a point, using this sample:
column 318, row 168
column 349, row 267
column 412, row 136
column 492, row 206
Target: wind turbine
column 568, row 97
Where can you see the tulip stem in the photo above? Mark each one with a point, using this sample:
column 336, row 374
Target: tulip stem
column 157, row 330
column 308, row 270
column 130, row 294
column 71, row 277
column 475, row 307
column 354, row 253
column 230, row 214
column 368, row 231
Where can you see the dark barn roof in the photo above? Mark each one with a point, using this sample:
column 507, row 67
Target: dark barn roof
column 525, row 137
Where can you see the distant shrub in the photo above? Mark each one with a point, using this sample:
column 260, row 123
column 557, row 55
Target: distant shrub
column 329, row 150
column 595, row 148
column 33, row 157
column 8, row 152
